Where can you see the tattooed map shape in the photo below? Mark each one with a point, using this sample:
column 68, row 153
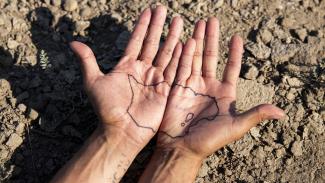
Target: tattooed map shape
column 187, row 118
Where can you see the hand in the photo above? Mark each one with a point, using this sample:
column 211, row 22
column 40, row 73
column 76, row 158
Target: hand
column 200, row 116
column 130, row 101
column 133, row 96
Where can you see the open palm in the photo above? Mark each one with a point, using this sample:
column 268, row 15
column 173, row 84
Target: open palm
column 133, row 96
column 200, row 115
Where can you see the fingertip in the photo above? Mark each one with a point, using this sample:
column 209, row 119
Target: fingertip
column 161, row 8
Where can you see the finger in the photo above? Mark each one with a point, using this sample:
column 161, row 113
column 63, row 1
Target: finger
column 211, row 48
column 185, row 64
column 89, row 66
column 245, row 121
column 232, row 69
column 151, row 42
column 166, row 52
column 171, row 69
column 198, row 35
column 135, row 43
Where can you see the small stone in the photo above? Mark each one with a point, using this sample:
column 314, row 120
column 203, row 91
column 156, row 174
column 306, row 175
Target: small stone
column 116, row 16
column 20, row 128
column 70, row 5
column 301, row 33
column 293, row 81
column 290, row 96
column 234, row 3
column 255, row 132
column 296, row 148
column 174, row 4
column 85, row 12
column 12, row 44
column 258, row 50
column 22, row 107
column 289, row 22
column 251, row 73
column 56, row 2
column 33, row 114
column 82, row 25
column 3, row 154
column 265, row 36
column 219, row 3
column 203, row 170
column 280, row 152
column 14, row 141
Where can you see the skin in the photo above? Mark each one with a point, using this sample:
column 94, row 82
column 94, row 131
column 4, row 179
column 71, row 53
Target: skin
column 130, row 101
column 196, row 125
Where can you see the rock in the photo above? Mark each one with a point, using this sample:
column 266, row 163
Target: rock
column 12, row 44
column 258, row 50
column 20, row 128
column 296, row 148
column 251, row 73
column 282, row 52
column 85, row 12
column 265, row 36
column 290, row 96
column 70, row 5
column 14, row 141
column 293, row 81
column 219, row 3
column 56, row 2
column 301, row 33
column 234, row 3
column 82, row 25
column 33, row 114
column 289, row 22
column 3, row 153
column 280, row 152
column 203, row 170
column 255, row 132
column 4, row 88
column 175, row 4
column 22, row 108
column 116, row 16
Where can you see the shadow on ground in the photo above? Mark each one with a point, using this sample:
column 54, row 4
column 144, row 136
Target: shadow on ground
column 54, row 89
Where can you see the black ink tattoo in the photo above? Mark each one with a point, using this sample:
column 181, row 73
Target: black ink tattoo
column 190, row 116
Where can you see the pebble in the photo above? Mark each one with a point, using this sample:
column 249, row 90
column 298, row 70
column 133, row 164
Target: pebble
column 203, row 170
column 265, row 36
column 82, row 25
column 234, row 3
column 258, row 50
column 14, row 141
column 175, row 4
column 219, row 3
column 85, row 12
column 251, row 73
column 296, row 148
column 70, row 5
column 12, row 44
column 22, row 107
column 3, row 154
column 255, row 132
column 293, row 81
column 301, row 33
column 33, row 114
column 56, row 3
column 20, row 128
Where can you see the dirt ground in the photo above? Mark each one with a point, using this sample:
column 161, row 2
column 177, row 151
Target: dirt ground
column 45, row 116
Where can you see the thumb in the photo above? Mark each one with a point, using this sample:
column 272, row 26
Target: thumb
column 245, row 121
column 89, row 66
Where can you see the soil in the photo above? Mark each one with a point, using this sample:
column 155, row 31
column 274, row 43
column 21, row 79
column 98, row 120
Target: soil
column 45, row 115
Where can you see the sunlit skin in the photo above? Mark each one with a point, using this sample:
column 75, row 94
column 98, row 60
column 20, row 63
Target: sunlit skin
column 183, row 144
column 143, row 78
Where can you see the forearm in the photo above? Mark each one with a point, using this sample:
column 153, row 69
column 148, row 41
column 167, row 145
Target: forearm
column 171, row 165
column 105, row 157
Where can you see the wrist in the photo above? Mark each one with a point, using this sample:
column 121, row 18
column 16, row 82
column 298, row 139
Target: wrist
column 167, row 164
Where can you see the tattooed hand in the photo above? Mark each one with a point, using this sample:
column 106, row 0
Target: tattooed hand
column 133, row 96
column 199, row 117
column 130, row 101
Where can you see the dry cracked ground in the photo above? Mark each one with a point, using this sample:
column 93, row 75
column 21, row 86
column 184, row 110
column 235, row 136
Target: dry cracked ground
column 45, row 116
